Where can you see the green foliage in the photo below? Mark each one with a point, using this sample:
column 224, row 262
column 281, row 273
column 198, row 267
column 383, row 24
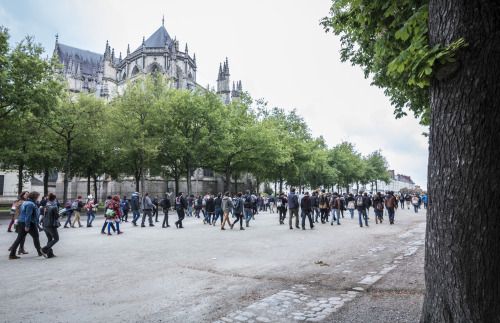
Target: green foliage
column 389, row 40
column 27, row 81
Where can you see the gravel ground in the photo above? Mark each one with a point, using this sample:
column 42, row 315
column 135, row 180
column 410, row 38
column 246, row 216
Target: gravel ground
column 267, row 273
column 397, row 297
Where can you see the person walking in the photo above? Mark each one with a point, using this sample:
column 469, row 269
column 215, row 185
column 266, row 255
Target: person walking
column 293, row 208
column 198, row 204
column 125, row 207
column 305, row 207
column 147, row 210
column 109, row 198
column 323, row 206
column 350, row 204
column 50, row 224
column 209, row 210
column 271, row 203
column 165, row 205
column 89, row 209
column 68, row 211
column 226, row 205
column 180, row 206
column 190, row 201
column 135, row 205
column 155, row 209
column 378, row 207
column 391, row 205
column 335, row 205
column 361, row 203
column 248, row 207
column 238, row 210
column 113, row 214
column 415, row 201
column 15, row 219
column 27, row 223
column 281, row 202
column 77, row 205
column 218, row 209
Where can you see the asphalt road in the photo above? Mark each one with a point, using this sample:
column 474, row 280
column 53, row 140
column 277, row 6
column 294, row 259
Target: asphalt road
column 266, row 273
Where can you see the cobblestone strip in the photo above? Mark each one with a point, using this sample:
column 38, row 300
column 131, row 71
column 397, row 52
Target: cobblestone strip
column 290, row 305
column 297, row 305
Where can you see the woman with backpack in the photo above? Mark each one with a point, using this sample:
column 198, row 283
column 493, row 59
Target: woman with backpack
column 378, row 207
column 68, row 210
column 113, row 214
column 218, row 209
column 281, row 207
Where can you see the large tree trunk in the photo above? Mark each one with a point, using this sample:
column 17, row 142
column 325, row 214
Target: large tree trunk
column 96, row 198
column 20, row 179
column 88, row 182
column 67, row 169
column 462, row 267
column 46, row 182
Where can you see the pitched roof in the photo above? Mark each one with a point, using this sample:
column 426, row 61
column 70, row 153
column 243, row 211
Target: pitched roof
column 158, row 39
column 86, row 58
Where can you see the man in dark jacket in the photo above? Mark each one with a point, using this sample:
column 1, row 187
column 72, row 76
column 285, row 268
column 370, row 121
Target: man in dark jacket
column 50, row 225
column 361, row 202
column 155, row 209
column 305, row 206
column 135, row 206
column 165, row 205
column 293, row 207
column 247, row 207
column 180, row 206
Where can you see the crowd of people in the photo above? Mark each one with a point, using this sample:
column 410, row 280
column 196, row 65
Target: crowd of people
column 30, row 216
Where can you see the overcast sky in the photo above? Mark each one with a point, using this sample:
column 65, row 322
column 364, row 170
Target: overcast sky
column 275, row 47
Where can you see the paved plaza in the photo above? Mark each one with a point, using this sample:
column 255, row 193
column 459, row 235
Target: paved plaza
column 266, row 273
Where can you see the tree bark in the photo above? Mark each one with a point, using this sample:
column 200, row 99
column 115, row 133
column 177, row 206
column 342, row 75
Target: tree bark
column 142, row 172
column 462, row 267
column 67, row 169
column 88, row 182
column 46, row 182
column 20, row 177
column 96, row 198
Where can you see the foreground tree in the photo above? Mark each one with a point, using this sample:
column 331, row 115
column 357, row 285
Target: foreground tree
column 417, row 52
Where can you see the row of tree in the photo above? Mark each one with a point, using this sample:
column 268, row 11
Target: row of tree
column 153, row 129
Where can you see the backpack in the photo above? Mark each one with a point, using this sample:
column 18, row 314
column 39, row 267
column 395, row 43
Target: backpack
column 279, row 203
column 415, row 200
column 204, row 202
column 74, row 206
column 229, row 204
column 236, row 203
column 380, row 207
column 254, row 200
column 68, row 205
column 87, row 206
column 335, row 203
column 322, row 199
column 359, row 200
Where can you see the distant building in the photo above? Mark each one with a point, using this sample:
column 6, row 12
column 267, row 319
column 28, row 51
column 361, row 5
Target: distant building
column 106, row 75
column 398, row 182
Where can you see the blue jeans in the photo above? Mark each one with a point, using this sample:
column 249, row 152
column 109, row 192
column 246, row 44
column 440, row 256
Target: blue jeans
column 335, row 212
column 365, row 216
column 208, row 216
column 352, row 213
column 303, row 215
column 218, row 211
column 390, row 210
column 90, row 214
column 416, row 207
column 136, row 215
column 248, row 214
column 68, row 220
column 190, row 211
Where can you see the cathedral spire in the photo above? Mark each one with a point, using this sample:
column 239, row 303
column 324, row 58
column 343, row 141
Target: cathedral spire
column 128, row 49
column 163, row 21
column 227, row 67
column 186, row 49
